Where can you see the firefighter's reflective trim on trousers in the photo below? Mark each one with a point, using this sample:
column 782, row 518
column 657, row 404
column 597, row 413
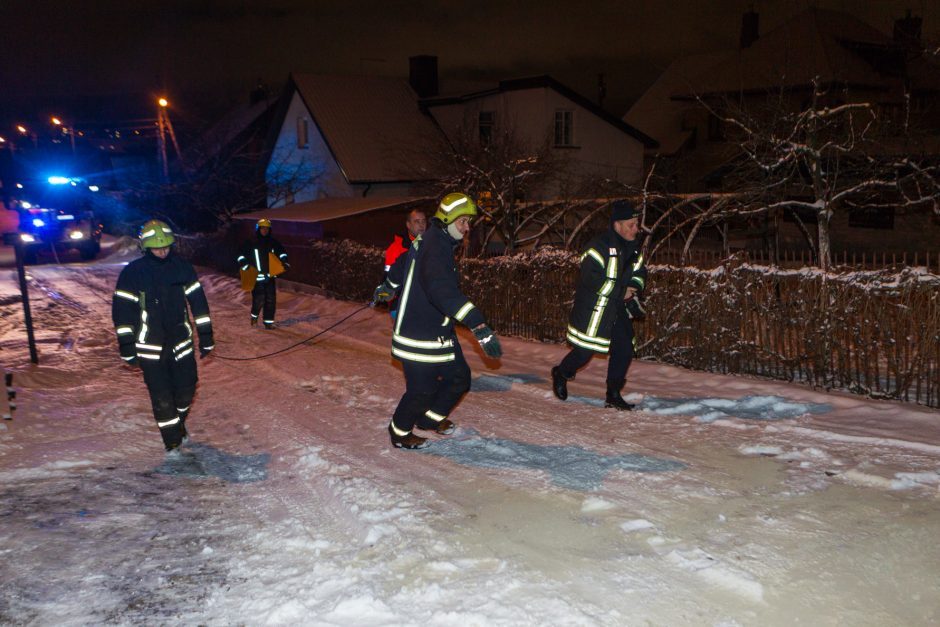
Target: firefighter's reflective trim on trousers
column 148, row 351
column 192, row 288
column 129, row 358
column 427, row 359
column 254, row 316
column 184, row 353
column 400, row 433
column 261, row 277
column 425, row 344
column 182, row 410
column 266, row 321
column 142, row 336
column 596, row 256
column 182, row 345
column 596, row 344
column 125, row 330
column 202, row 320
column 127, row 295
column 463, row 311
column 168, row 423
column 434, row 416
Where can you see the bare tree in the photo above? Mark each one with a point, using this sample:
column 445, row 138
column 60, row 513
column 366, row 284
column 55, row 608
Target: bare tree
column 823, row 157
column 503, row 171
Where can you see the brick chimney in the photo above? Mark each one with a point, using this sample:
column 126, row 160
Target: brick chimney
column 750, row 28
column 422, row 74
column 907, row 31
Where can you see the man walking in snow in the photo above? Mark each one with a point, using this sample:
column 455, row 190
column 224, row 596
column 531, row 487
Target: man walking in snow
column 153, row 327
column 436, row 373
column 606, row 302
column 263, row 253
column 415, row 225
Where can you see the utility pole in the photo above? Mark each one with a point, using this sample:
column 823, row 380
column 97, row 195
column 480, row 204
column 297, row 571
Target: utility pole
column 164, row 126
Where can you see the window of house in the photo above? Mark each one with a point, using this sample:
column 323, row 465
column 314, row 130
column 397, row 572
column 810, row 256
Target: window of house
column 873, row 218
column 487, row 119
column 303, row 132
column 564, row 127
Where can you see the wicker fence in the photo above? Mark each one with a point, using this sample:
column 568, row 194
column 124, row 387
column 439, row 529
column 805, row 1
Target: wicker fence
column 871, row 332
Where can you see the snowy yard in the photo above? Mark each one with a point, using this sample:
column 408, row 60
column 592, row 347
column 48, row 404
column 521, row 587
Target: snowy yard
column 721, row 501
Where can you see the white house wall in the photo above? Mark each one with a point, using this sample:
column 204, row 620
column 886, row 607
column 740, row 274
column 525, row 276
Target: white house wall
column 600, row 149
column 315, row 163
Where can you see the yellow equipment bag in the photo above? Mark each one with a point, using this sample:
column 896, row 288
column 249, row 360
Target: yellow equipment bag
column 275, row 267
column 249, row 277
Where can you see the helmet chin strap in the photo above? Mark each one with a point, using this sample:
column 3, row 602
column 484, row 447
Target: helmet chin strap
column 452, row 229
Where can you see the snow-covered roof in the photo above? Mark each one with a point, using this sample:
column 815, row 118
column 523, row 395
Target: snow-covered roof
column 814, row 43
column 657, row 114
column 327, row 208
column 547, row 82
column 373, row 125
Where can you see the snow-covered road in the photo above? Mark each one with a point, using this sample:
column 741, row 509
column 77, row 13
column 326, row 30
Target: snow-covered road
column 724, row 500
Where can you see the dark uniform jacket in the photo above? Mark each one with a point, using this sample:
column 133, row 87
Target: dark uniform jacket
column 254, row 253
column 149, row 309
column 431, row 299
column 609, row 265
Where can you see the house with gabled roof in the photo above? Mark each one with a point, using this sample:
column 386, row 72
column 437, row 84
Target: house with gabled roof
column 346, row 136
column 540, row 109
column 381, row 138
column 840, row 52
column 849, row 61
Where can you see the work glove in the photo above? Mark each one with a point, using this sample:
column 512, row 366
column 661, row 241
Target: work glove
column 204, row 351
column 129, row 355
column 383, row 293
column 634, row 307
column 488, row 341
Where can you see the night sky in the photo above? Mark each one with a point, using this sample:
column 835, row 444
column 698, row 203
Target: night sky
column 99, row 56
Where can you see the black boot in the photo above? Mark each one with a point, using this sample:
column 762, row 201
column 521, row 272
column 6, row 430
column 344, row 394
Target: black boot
column 559, row 384
column 614, row 399
column 408, row 441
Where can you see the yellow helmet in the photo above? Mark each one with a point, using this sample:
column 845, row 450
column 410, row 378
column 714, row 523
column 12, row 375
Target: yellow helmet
column 455, row 205
column 263, row 222
column 156, row 234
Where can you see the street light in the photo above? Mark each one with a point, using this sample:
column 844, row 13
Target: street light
column 163, row 102
column 71, row 132
column 21, row 129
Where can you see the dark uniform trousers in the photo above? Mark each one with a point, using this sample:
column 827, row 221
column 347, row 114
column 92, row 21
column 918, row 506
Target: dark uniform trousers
column 434, row 387
column 621, row 352
column 264, row 296
column 172, row 386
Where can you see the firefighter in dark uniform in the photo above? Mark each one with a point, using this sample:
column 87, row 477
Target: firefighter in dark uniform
column 607, row 300
column 154, row 329
column 415, row 225
column 436, row 373
column 254, row 254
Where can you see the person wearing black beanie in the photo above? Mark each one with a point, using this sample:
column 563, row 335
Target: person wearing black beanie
column 607, row 299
